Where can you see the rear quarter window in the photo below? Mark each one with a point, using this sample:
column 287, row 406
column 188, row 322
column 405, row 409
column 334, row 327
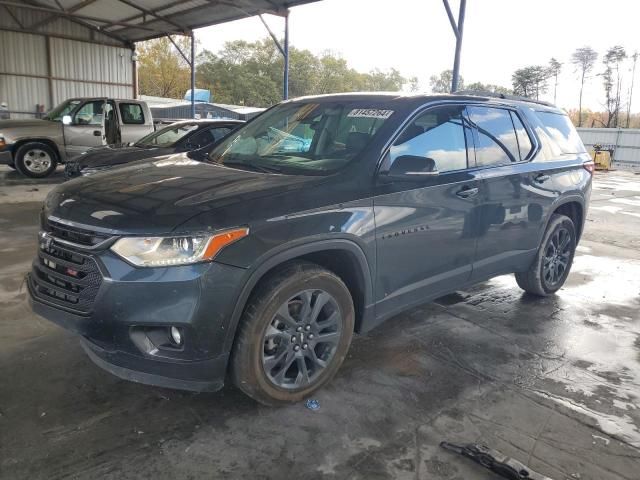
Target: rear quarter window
column 561, row 131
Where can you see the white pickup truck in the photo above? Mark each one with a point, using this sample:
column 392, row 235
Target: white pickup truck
column 35, row 147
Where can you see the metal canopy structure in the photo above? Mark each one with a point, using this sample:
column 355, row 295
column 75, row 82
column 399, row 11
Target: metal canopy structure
column 123, row 22
column 128, row 21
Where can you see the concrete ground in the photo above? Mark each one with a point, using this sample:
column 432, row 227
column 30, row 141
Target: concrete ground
column 553, row 382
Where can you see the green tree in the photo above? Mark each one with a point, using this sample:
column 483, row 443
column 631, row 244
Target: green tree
column 250, row 73
column 530, row 81
column 442, row 83
column 414, row 84
column 584, row 59
column 488, row 87
column 162, row 71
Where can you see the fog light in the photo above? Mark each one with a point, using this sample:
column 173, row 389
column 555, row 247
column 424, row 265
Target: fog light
column 176, row 336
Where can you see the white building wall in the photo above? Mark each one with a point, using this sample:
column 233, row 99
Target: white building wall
column 79, row 66
column 625, row 141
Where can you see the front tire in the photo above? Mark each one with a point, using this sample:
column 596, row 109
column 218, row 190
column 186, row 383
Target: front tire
column 552, row 264
column 294, row 334
column 36, row 160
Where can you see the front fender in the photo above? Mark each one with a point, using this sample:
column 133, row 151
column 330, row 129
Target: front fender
column 291, row 251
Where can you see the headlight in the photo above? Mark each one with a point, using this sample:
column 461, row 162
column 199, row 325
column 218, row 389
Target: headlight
column 179, row 250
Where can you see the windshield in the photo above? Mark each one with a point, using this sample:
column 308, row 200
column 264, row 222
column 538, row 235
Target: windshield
column 302, row 138
column 65, row 108
column 166, row 137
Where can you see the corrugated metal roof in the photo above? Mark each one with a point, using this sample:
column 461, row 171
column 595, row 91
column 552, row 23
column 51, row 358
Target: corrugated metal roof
column 136, row 20
column 162, row 102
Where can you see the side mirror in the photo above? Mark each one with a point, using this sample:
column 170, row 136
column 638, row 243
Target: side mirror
column 66, row 120
column 412, row 168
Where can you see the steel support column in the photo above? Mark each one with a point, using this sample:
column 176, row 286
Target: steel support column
column 284, row 50
column 193, row 75
column 457, row 31
column 285, row 79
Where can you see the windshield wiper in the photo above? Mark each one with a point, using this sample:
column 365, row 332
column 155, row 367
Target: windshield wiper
column 254, row 167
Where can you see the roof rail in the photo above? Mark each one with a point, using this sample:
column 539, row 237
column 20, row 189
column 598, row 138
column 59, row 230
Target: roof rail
column 486, row 93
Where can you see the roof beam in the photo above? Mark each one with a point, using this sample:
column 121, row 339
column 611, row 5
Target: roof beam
column 13, row 17
column 75, row 16
column 88, row 25
column 156, row 15
column 273, row 36
column 153, row 12
column 186, row 59
column 48, row 20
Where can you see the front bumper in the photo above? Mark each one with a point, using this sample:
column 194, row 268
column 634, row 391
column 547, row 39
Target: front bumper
column 6, row 157
column 123, row 322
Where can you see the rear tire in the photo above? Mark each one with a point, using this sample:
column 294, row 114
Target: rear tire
column 294, row 334
column 36, row 160
column 552, row 264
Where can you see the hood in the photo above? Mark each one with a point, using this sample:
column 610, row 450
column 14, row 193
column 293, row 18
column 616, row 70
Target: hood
column 118, row 154
column 14, row 130
column 158, row 196
column 29, row 122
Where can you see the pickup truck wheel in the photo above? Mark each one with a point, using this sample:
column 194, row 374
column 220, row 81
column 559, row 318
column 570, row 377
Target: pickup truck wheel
column 553, row 261
column 294, row 334
column 36, row 160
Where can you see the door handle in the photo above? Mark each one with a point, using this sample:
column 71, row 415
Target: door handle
column 97, row 133
column 467, row 192
column 543, row 177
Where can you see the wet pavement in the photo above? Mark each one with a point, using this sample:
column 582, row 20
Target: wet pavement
column 553, row 382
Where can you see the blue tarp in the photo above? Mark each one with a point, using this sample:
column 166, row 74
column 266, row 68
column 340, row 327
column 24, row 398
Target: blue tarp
column 201, row 95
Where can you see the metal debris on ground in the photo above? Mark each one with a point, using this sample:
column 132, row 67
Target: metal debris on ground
column 495, row 461
column 312, row 404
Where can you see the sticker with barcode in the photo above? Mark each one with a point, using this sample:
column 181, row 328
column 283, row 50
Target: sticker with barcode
column 370, row 113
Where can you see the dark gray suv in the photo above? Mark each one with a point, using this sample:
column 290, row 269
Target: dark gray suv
column 319, row 218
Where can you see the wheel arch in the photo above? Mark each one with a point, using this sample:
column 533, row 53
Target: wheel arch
column 343, row 257
column 46, row 141
column 574, row 208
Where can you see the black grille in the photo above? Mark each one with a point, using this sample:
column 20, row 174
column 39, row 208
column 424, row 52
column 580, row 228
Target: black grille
column 65, row 277
column 79, row 236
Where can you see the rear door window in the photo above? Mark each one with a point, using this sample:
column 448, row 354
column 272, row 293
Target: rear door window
column 559, row 127
column 496, row 141
column 131, row 113
column 437, row 134
column 524, row 141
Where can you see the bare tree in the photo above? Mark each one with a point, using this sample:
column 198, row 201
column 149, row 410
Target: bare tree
column 634, row 57
column 584, row 58
column 612, row 81
column 555, row 67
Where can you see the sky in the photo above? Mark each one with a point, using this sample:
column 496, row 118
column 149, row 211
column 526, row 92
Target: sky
column 415, row 37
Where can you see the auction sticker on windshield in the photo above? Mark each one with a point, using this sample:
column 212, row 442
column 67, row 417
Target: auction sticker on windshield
column 370, row 113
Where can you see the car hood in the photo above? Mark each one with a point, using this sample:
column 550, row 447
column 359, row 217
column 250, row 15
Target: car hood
column 158, row 196
column 118, row 154
column 20, row 126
